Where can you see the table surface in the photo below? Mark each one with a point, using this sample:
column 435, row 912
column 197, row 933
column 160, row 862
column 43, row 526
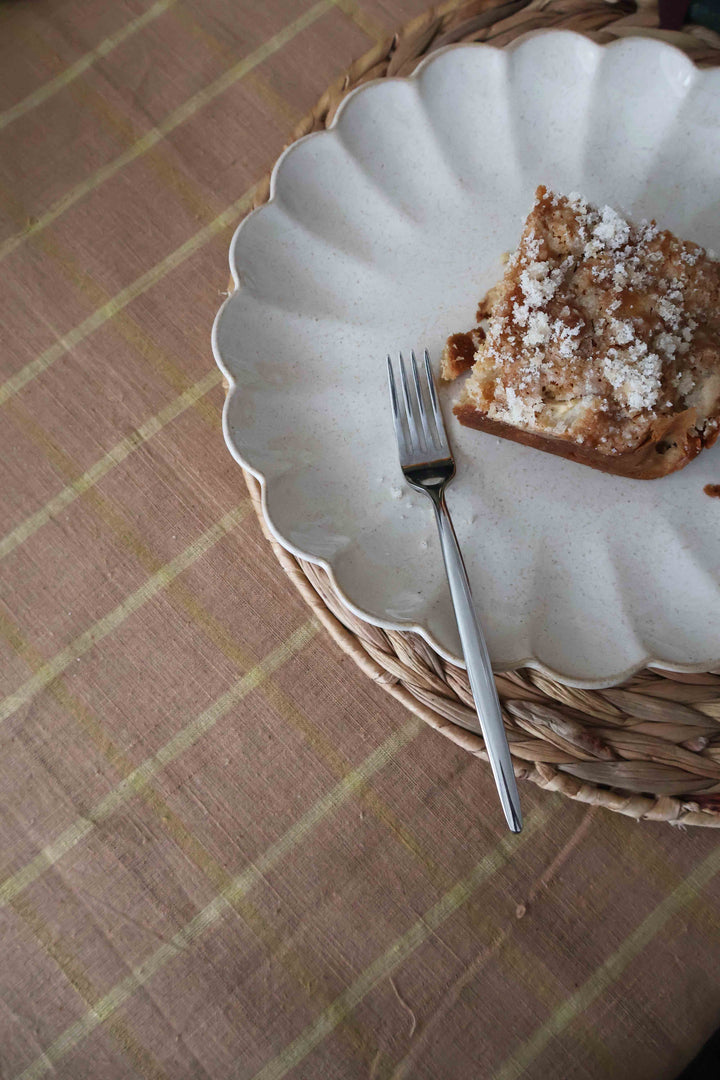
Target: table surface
column 225, row 853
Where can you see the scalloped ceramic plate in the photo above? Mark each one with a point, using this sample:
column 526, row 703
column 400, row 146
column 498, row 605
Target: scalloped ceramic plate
column 382, row 234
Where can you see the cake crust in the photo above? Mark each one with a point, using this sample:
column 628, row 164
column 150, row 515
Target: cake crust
column 602, row 343
column 670, row 445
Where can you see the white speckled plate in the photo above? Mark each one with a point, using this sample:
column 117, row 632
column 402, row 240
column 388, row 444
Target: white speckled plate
column 382, row 233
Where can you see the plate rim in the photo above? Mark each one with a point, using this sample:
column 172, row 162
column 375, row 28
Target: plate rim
column 406, row 626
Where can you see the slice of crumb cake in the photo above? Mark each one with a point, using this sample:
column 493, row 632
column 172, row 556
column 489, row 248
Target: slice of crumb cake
column 602, row 343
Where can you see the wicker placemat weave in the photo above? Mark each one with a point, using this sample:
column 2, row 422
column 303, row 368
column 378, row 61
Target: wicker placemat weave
column 649, row 748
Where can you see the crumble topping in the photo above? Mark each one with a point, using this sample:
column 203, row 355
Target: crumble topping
column 598, row 327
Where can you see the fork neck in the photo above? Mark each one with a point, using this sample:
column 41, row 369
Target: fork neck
column 433, row 486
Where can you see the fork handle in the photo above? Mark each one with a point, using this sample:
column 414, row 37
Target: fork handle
column 479, row 668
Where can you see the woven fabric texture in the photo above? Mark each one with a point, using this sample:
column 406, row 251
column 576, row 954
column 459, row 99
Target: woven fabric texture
column 225, row 852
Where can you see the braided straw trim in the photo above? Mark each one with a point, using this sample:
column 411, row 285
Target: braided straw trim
column 650, row 748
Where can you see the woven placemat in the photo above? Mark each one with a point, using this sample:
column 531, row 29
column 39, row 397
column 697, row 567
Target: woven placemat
column 649, row 748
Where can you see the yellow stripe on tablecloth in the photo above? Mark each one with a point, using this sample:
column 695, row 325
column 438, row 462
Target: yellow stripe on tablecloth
column 143, row 1062
column 177, row 117
column 106, row 46
column 367, row 23
column 209, row 916
column 611, row 969
column 121, row 299
column 144, row 773
column 108, row 461
column 110, row 622
column 399, row 951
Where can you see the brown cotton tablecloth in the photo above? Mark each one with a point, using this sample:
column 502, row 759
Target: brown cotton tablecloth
column 224, row 852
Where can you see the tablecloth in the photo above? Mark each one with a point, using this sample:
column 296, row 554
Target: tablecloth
column 226, row 853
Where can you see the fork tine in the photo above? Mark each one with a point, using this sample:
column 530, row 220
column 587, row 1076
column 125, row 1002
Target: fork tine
column 421, row 403
column 410, row 412
column 397, row 421
column 437, row 414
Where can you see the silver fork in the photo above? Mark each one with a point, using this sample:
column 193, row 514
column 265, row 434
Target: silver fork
column 428, row 465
